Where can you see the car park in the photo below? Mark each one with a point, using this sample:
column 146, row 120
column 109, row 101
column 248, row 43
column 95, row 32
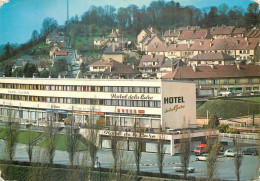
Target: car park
column 181, row 169
column 250, row 151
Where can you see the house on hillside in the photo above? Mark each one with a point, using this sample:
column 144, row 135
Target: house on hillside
column 145, row 36
column 22, row 61
column 221, row 32
column 113, row 52
column 239, row 32
column 55, row 36
column 212, row 58
column 150, row 65
column 169, row 65
column 112, row 69
column 192, row 36
column 212, row 80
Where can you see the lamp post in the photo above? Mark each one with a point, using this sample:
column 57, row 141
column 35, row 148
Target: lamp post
column 99, row 166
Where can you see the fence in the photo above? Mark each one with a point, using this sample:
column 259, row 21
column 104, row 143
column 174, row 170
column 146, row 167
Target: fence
column 241, row 136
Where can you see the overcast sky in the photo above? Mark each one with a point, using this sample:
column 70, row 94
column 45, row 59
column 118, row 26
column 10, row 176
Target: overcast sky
column 18, row 18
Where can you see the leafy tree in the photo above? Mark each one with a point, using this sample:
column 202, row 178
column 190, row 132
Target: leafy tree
column 35, row 36
column 44, row 73
column 223, row 128
column 214, row 121
column 8, row 69
column 185, row 144
column 48, row 25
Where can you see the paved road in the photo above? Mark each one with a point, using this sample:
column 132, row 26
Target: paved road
column 249, row 166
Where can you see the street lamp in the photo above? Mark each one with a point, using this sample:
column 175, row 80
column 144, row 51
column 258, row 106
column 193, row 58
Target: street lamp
column 99, row 165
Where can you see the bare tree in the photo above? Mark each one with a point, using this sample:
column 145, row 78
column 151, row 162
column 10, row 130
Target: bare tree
column 30, row 144
column 114, row 145
column 51, row 138
column 211, row 162
column 72, row 142
column 138, row 143
column 160, row 151
column 92, row 137
column 238, row 158
column 11, row 136
column 185, row 151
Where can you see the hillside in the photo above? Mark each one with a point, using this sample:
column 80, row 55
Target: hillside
column 227, row 108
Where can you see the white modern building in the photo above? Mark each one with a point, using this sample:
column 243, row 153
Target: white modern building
column 151, row 105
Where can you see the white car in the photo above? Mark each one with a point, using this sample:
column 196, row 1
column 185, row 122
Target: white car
column 230, row 153
column 202, row 157
column 181, row 169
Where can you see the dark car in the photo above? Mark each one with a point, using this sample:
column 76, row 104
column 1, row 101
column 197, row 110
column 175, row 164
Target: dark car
column 250, row 151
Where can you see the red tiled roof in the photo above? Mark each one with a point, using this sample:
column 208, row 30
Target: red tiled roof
column 119, row 68
column 219, row 71
column 239, row 31
column 198, row 34
column 61, row 53
column 253, row 33
column 100, row 62
column 230, row 43
column 212, row 56
column 222, row 30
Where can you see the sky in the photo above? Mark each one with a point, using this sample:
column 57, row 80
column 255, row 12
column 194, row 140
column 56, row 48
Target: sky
column 18, row 18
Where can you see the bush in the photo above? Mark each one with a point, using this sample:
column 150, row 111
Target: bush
column 223, row 128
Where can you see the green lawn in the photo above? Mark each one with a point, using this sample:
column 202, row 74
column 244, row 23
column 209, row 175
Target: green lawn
column 23, row 136
column 61, row 143
column 255, row 99
column 2, row 132
column 228, row 108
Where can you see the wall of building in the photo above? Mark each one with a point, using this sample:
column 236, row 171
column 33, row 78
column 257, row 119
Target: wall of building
column 117, row 57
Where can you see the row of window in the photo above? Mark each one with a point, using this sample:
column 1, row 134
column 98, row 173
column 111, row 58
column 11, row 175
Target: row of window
column 86, row 101
column 127, row 89
column 227, row 81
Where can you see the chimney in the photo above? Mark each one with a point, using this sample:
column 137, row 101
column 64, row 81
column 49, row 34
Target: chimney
column 238, row 66
column 246, row 38
column 112, row 30
column 212, row 66
column 113, row 47
column 194, row 68
column 189, row 45
column 210, row 45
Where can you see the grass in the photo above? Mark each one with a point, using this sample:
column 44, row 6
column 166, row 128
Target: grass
column 23, row 136
column 228, row 108
column 61, row 143
column 2, row 132
column 255, row 99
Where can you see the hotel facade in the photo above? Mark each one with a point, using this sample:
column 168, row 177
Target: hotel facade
column 150, row 104
column 146, row 103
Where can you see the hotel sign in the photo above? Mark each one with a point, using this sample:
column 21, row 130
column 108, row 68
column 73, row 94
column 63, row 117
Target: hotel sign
column 174, row 100
column 132, row 97
column 128, row 134
column 17, row 92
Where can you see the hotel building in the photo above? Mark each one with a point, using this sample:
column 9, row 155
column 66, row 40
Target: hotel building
column 148, row 104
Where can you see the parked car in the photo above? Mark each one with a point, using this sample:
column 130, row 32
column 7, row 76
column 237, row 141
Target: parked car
column 201, row 148
column 230, row 153
column 250, row 151
column 202, row 157
column 181, row 169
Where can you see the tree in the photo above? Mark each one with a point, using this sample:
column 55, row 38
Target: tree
column 8, row 50
column 35, row 36
column 160, row 151
column 51, row 133
column 214, row 121
column 72, row 142
column 114, row 146
column 11, row 136
column 212, row 163
column 8, row 69
column 185, row 144
column 238, row 158
column 138, row 143
column 92, row 137
column 30, row 144
column 48, row 25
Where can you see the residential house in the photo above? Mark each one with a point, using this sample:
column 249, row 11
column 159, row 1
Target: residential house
column 221, row 32
column 55, row 36
column 212, row 58
column 99, row 41
column 113, row 52
column 55, row 47
column 212, row 80
column 239, row 48
column 22, row 61
column 169, row 65
column 171, row 36
column 150, row 65
column 118, row 38
column 253, row 33
column 192, row 36
column 145, row 36
column 239, row 32
column 112, row 69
